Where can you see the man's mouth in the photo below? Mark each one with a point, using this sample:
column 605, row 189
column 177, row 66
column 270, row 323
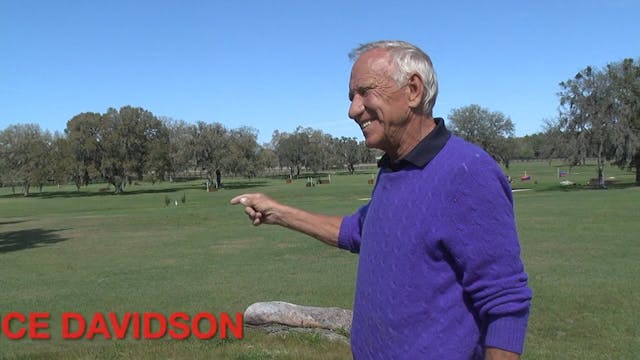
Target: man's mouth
column 365, row 124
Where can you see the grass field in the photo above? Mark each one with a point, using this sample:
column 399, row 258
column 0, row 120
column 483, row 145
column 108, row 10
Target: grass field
column 87, row 252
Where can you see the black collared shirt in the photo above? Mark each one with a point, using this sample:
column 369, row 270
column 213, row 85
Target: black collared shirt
column 426, row 149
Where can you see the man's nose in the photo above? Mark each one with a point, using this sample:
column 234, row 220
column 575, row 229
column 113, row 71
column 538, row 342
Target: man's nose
column 356, row 107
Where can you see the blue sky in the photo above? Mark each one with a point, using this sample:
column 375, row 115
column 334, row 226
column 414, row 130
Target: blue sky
column 279, row 64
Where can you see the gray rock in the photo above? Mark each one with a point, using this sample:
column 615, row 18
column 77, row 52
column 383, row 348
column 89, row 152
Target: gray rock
column 284, row 330
column 279, row 312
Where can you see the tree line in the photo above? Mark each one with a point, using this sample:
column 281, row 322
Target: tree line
column 129, row 144
column 599, row 117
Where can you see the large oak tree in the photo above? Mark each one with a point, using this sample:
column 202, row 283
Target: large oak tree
column 492, row 130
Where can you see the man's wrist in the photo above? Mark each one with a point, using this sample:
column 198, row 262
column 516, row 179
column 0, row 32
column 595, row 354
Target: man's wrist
column 492, row 353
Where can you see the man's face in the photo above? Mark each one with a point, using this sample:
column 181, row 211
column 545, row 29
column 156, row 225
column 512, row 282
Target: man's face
column 378, row 104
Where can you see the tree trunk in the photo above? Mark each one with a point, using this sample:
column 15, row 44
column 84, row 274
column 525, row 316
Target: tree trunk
column 25, row 189
column 86, row 178
column 638, row 168
column 209, row 181
column 601, row 183
column 118, row 184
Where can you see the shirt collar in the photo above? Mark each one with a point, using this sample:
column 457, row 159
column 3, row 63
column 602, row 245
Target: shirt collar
column 422, row 153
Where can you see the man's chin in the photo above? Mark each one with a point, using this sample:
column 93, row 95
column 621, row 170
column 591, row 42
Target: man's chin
column 372, row 142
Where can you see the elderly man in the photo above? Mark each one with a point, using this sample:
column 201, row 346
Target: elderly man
column 439, row 273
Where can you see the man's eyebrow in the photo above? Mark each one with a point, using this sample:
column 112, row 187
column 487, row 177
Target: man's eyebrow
column 359, row 89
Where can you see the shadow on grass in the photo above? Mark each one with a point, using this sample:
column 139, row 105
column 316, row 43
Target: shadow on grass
column 580, row 187
column 28, row 239
column 12, row 222
column 243, row 184
column 85, row 193
column 128, row 191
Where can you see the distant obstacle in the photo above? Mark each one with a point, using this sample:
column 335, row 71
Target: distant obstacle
column 371, row 181
column 310, row 182
column 326, row 180
column 562, row 173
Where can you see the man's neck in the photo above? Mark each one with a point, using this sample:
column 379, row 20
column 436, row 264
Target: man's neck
column 419, row 128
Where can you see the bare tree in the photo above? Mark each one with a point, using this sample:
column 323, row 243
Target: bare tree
column 181, row 154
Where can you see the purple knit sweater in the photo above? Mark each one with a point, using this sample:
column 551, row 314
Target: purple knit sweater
column 439, row 274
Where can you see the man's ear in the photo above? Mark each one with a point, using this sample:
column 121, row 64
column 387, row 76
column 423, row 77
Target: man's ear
column 416, row 90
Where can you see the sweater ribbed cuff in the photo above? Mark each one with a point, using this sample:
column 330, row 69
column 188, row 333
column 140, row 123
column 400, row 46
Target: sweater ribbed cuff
column 345, row 238
column 507, row 332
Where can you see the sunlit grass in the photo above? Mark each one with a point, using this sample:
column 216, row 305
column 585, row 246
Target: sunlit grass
column 93, row 252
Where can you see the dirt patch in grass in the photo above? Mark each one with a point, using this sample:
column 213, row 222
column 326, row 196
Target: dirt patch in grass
column 232, row 247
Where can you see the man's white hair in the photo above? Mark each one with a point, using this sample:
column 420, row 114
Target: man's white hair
column 407, row 59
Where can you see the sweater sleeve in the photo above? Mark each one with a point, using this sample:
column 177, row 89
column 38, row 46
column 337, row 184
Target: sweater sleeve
column 351, row 230
column 486, row 252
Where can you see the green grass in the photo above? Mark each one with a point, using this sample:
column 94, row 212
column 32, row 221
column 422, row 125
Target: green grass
column 544, row 175
column 89, row 252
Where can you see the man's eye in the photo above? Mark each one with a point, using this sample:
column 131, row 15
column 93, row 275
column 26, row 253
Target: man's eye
column 364, row 91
